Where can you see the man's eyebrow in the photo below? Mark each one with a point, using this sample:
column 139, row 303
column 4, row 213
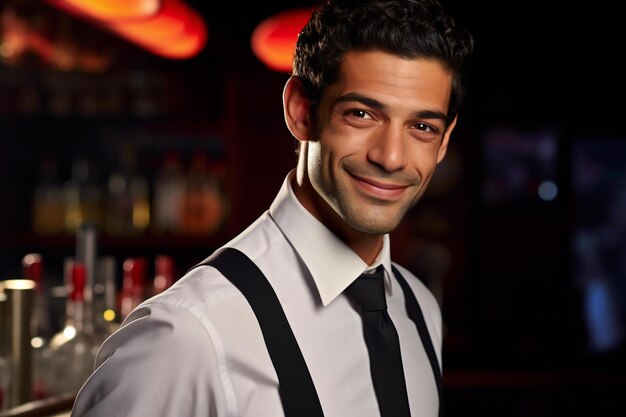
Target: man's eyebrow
column 368, row 101
column 371, row 102
column 430, row 114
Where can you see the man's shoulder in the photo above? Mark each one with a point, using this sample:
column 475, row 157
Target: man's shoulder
column 257, row 239
column 195, row 292
column 203, row 283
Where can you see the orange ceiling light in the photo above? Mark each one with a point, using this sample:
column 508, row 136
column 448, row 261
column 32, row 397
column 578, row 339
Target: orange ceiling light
column 274, row 39
column 175, row 31
column 110, row 9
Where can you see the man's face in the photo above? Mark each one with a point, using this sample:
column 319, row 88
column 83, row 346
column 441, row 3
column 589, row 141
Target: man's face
column 380, row 134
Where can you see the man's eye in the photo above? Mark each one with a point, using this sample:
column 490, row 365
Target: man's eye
column 425, row 127
column 361, row 114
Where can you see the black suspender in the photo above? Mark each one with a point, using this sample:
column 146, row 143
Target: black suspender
column 296, row 388
column 415, row 313
column 297, row 392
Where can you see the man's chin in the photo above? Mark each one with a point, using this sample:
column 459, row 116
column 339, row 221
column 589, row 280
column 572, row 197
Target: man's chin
column 375, row 227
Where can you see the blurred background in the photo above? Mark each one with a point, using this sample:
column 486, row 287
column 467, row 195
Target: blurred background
column 165, row 133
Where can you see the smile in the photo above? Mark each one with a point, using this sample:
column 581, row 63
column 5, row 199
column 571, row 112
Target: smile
column 378, row 189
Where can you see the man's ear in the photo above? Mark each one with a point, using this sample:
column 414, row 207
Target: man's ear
column 296, row 106
column 446, row 138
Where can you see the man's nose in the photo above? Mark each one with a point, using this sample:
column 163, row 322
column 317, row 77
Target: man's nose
column 388, row 148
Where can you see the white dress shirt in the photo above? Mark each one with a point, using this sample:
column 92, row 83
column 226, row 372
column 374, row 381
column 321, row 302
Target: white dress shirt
column 197, row 349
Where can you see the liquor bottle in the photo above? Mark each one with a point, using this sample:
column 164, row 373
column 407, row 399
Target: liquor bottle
column 86, row 254
column 82, row 196
column 41, row 330
column 169, row 190
column 164, row 273
column 203, row 207
column 94, row 295
column 133, row 288
column 48, row 199
column 104, row 299
column 128, row 203
column 74, row 348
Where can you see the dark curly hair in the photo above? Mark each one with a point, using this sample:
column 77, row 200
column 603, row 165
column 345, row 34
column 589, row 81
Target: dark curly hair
column 406, row 28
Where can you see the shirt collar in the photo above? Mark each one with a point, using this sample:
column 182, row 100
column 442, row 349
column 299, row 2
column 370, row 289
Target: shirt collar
column 332, row 264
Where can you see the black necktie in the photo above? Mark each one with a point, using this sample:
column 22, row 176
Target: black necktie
column 368, row 293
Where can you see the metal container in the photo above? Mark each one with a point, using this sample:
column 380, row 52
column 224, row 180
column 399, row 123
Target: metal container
column 16, row 318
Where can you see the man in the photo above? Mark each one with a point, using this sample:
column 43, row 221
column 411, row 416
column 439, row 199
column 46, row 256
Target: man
column 372, row 101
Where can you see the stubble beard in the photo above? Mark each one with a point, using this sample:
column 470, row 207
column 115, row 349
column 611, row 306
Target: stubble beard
column 375, row 218
column 372, row 218
column 378, row 217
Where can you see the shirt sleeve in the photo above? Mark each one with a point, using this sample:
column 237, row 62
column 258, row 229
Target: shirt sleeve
column 160, row 363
